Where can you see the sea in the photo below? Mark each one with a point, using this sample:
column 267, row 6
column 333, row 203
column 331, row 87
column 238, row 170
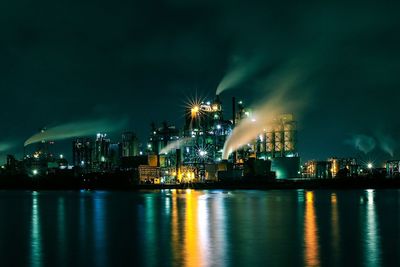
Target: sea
column 200, row 228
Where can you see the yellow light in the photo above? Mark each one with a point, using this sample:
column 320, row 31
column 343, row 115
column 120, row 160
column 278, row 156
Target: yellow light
column 309, row 196
column 215, row 107
column 311, row 232
column 195, row 109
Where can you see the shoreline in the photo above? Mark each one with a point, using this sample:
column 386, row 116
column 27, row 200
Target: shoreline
column 309, row 184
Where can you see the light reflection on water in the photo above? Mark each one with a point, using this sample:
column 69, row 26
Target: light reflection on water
column 335, row 228
column 372, row 236
column 36, row 235
column 150, row 229
column 205, row 228
column 311, row 241
column 99, row 229
column 61, row 231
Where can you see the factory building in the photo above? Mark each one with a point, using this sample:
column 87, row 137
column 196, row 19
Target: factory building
column 43, row 149
column 344, row 167
column 115, row 155
column 101, row 153
column 205, row 131
column 39, row 160
column 82, row 151
column 161, row 137
column 317, row 169
column 276, row 143
column 393, row 168
column 331, row 168
column 130, row 145
column 280, row 140
column 286, row 167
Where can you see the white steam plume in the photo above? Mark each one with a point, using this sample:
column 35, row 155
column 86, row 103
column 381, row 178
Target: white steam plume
column 5, row 146
column 362, row 143
column 76, row 129
column 282, row 100
column 174, row 145
column 248, row 129
column 386, row 143
column 238, row 74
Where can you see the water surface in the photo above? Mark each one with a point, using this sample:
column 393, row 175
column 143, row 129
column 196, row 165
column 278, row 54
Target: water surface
column 200, row 228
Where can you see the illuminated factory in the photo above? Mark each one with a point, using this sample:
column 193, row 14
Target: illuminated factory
column 40, row 159
column 205, row 131
column 193, row 153
column 199, row 151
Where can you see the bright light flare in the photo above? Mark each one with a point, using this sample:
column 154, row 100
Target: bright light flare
column 193, row 104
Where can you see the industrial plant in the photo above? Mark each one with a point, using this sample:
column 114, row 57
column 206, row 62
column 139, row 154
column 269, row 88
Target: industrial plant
column 193, row 153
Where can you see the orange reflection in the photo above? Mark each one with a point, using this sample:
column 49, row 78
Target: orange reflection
column 335, row 224
column 174, row 228
column 311, row 233
column 189, row 236
column 192, row 250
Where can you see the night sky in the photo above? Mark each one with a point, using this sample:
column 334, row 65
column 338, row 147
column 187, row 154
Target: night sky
column 72, row 61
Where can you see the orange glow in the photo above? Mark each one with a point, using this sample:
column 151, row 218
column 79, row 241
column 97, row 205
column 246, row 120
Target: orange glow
column 311, row 252
column 333, row 199
column 335, row 224
column 195, row 110
column 174, row 227
column 189, row 245
column 193, row 255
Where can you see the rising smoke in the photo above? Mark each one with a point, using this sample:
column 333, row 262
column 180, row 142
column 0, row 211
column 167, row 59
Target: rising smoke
column 174, row 145
column 76, row 129
column 366, row 144
column 238, row 73
column 248, row 129
column 386, row 143
column 363, row 143
column 280, row 89
column 5, row 146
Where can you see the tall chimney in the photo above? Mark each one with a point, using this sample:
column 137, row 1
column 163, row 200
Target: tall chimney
column 178, row 162
column 234, row 123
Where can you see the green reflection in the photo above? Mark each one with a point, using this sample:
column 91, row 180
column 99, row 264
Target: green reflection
column 150, row 226
column 99, row 229
column 36, row 237
column 372, row 238
column 61, row 230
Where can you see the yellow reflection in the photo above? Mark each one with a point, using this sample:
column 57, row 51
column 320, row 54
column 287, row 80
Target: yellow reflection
column 190, row 228
column 311, row 233
column 174, row 227
column 335, row 224
column 192, row 251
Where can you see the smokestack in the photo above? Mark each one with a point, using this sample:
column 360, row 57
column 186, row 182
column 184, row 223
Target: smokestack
column 234, row 122
column 178, row 162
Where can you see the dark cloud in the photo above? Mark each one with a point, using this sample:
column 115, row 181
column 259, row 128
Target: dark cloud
column 62, row 61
